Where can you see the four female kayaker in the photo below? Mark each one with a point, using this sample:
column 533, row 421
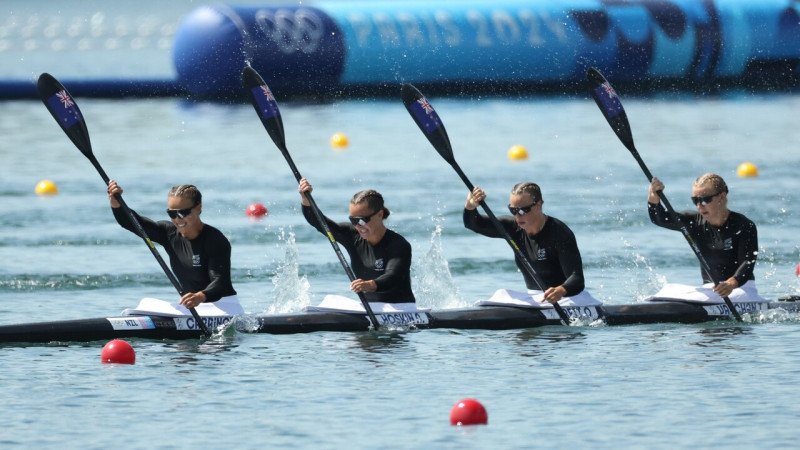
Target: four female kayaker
column 200, row 255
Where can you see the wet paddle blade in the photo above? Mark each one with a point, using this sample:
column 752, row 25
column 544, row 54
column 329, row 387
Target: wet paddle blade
column 66, row 112
column 265, row 105
column 609, row 103
column 428, row 120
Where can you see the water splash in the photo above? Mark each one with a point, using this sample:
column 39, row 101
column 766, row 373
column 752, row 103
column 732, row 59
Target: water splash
column 290, row 290
column 642, row 286
column 434, row 285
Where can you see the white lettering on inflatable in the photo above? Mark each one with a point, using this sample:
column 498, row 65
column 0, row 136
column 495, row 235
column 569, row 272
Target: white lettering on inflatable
column 291, row 31
column 555, row 25
column 402, row 319
column 506, row 27
column 387, row 31
column 481, row 26
column 531, row 22
column 433, row 31
column 450, row 32
column 362, row 27
column 498, row 27
column 411, row 30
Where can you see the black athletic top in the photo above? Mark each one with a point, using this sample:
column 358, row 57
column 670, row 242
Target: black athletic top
column 730, row 250
column 200, row 264
column 388, row 263
column 553, row 251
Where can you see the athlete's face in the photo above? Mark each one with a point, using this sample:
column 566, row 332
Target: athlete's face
column 372, row 220
column 711, row 205
column 190, row 224
column 527, row 207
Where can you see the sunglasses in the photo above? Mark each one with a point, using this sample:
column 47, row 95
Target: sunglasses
column 182, row 213
column 362, row 220
column 521, row 210
column 704, row 199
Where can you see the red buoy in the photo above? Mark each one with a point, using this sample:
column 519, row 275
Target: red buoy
column 118, row 352
column 797, row 270
column 256, row 210
column 468, row 412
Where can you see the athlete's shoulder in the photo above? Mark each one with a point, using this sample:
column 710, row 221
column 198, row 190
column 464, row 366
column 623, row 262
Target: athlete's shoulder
column 214, row 234
column 559, row 225
column 742, row 219
column 396, row 237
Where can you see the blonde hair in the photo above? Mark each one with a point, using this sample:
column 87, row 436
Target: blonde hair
column 189, row 191
column 715, row 180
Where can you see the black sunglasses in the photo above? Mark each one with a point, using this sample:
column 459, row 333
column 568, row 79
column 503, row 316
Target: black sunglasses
column 704, row 199
column 182, row 213
column 362, row 220
column 521, row 210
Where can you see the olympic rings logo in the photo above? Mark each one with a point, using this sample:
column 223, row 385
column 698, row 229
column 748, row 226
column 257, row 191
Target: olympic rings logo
column 292, row 30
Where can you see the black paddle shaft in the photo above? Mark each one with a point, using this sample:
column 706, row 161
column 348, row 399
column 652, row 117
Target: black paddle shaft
column 611, row 107
column 267, row 109
column 65, row 111
column 432, row 127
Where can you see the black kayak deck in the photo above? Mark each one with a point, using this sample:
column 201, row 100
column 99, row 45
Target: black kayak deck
column 471, row 318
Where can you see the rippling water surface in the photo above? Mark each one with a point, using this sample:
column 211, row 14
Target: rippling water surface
column 717, row 384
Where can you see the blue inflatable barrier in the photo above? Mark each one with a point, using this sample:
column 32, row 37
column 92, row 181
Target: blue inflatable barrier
column 336, row 45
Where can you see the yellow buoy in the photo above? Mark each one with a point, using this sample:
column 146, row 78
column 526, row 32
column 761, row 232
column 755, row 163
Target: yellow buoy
column 517, row 152
column 339, row 140
column 747, row 169
column 46, row 187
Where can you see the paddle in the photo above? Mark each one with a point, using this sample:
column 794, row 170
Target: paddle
column 65, row 110
column 611, row 107
column 432, row 127
column 267, row 109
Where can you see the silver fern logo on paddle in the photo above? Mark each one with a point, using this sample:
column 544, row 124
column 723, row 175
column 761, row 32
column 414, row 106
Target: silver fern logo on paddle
column 379, row 264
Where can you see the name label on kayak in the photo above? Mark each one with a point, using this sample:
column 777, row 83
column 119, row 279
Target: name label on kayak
column 402, row 318
column 132, row 323
column 574, row 312
column 743, row 308
column 188, row 323
column 178, row 323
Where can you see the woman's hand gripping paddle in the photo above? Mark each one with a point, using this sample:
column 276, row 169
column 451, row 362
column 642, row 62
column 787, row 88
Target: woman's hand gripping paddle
column 267, row 109
column 65, row 110
column 611, row 107
column 432, row 127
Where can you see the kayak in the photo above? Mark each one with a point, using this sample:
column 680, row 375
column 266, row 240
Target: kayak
column 469, row 318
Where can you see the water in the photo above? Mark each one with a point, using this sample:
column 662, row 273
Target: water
column 657, row 385
column 661, row 386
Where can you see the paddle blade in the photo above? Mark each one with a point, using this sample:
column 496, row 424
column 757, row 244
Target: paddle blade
column 66, row 112
column 608, row 102
column 265, row 105
column 428, row 121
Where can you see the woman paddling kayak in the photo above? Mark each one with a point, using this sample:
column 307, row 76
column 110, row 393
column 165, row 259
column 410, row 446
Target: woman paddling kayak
column 199, row 254
column 380, row 257
column 548, row 242
column 727, row 240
